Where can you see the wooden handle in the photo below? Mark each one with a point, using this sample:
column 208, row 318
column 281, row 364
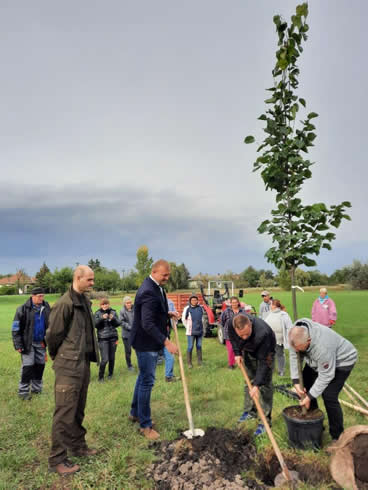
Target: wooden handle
column 354, row 407
column 182, row 373
column 267, row 427
column 349, row 395
column 357, row 395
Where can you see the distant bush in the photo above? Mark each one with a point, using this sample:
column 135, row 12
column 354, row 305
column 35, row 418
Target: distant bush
column 8, row 290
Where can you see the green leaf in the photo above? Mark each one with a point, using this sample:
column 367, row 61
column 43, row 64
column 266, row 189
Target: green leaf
column 263, row 117
column 311, row 115
column 302, row 10
column 277, row 20
column 249, row 139
column 302, row 101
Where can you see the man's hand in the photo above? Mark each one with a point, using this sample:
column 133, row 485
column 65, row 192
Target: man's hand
column 299, row 391
column 254, row 393
column 171, row 347
column 305, row 402
column 238, row 360
column 331, row 322
column 20, row 350
column 174, row 314
column 105, row 316
column 111, row 316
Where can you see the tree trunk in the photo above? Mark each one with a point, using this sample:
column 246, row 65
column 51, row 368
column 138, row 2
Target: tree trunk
column 293, row 293
column 295, row 315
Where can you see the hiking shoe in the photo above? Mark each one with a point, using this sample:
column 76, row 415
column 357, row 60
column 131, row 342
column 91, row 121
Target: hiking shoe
column 131, row 368
column 65, row 468
column 83, row 452
column 232, row 366
column 245, row 416
column 259, row 430
column 101, row 380
column 109, row 376
column 150, row 433
column 171, row 379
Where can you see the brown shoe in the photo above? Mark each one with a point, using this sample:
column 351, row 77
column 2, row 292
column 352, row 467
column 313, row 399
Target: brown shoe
column 150, row 433
column 65, row 468
column 84, row 452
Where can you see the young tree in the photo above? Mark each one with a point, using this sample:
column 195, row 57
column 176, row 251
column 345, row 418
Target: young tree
column 144, row 263
column 62, row 279
column 179, row 277
column 299, row 231
column 94, row 264
column 44, row 278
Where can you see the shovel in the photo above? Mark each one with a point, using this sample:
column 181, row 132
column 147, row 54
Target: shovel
column 286, row 476
column 191, row 432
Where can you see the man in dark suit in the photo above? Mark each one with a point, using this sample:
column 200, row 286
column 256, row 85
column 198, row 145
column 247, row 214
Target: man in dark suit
column 148, row 336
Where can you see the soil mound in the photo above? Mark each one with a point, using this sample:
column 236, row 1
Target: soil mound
column 225, row 459
column 214, row 461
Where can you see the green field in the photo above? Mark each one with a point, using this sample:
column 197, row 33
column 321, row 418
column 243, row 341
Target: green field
column 216, row 394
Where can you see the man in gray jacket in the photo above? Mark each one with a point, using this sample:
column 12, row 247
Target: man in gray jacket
column 329, row 360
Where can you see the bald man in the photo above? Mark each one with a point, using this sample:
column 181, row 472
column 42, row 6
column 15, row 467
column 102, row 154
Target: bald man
column 72, row 345
column 148, row 336
column 329, row 359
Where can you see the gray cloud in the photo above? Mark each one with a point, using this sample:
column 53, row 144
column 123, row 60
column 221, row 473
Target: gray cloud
column 128, row 118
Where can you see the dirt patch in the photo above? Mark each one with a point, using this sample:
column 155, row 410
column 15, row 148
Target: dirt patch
column 295, row 412
column 359, row 449
column 223, row 459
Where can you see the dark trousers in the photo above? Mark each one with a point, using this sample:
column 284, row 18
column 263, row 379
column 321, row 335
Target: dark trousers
column 128, row 352
column 33, row 365
column 265, row 391
column 70, row 402
column 107, row 349
column 330, row 397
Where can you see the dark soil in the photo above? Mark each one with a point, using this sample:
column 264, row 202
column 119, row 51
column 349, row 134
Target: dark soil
column 359, row 448
column 295, row 412
column 222, row 459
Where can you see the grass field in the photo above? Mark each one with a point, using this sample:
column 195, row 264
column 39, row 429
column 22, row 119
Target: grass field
column 216, row 395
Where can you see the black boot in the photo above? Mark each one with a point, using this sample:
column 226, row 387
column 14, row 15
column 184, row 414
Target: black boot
column 189, row 359
column 111, row 368
column 199, row 357
column 101, row 373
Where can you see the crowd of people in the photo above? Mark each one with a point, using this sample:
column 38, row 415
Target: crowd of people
column 75, row 337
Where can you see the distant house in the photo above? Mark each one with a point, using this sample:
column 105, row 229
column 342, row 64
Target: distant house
column 21, row 281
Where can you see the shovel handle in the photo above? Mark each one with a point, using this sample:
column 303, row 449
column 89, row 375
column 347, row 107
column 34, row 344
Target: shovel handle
column 276, row 448
column 182, row 374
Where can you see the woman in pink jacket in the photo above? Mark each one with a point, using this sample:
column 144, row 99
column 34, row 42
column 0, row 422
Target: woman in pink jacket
column 324, row 309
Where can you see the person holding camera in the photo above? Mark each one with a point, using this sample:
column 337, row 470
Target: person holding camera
column 106, row 322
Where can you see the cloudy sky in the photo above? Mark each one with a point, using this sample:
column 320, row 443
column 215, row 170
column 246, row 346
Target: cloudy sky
column 122, row 123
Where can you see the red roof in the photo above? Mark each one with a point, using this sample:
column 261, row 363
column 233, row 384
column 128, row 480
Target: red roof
column 5, row 281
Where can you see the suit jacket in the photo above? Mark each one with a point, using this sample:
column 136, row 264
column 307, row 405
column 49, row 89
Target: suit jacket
column 149, row 330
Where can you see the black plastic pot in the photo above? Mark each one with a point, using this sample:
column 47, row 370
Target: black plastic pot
column 304, row 433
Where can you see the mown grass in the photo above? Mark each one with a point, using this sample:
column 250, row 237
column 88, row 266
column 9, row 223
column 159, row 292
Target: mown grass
column 216, row 399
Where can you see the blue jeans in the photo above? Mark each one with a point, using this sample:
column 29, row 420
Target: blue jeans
column 169, row 364
column 197, row 339
column 141, row 407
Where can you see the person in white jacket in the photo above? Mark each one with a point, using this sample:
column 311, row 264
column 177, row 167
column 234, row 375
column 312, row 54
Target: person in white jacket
column 192, row 319
column 281, row 323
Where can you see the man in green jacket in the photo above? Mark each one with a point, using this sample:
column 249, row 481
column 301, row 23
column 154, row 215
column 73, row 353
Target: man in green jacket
column 72, row 345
